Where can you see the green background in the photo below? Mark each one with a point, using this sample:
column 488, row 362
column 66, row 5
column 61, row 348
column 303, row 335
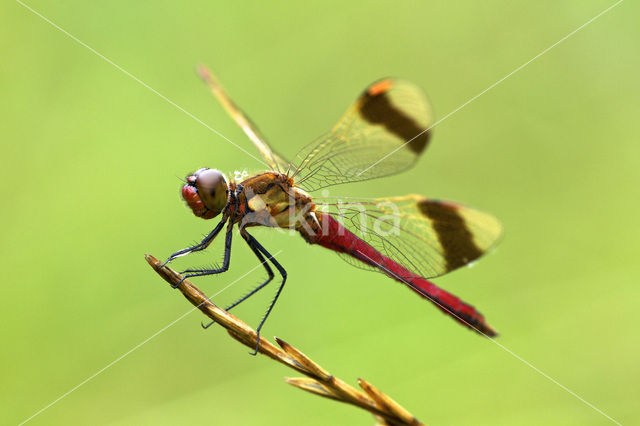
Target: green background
column 90, row 168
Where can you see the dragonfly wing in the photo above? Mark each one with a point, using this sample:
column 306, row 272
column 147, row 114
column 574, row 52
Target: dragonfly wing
column 382, row 133
column 273, row 160
column 428, row 237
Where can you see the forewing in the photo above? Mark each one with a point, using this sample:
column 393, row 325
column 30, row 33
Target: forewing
column 428, row 237
column 273, row 160
column 382, row 133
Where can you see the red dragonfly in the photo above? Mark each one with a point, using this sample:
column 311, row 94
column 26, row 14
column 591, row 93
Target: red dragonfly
column 409, row 238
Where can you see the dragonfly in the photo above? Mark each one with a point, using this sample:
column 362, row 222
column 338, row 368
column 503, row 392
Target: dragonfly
column 410, row 239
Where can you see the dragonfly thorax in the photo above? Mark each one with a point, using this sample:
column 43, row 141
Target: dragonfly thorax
column 271, row 199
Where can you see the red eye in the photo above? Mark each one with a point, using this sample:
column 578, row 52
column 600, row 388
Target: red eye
column 190, row 195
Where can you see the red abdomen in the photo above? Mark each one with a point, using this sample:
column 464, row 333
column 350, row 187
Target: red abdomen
column 336, row 237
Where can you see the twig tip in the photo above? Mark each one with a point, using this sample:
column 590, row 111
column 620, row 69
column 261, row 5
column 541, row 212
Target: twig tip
column 152, row 260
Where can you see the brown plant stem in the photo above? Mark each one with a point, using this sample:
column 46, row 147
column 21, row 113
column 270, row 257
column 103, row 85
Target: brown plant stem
column 318, row 380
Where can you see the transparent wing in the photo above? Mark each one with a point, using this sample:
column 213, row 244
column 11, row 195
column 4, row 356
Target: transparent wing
column 273, row 160
column 428, row 237
column 382, row 133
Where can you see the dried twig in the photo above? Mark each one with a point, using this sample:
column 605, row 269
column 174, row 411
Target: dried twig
column 318, row 380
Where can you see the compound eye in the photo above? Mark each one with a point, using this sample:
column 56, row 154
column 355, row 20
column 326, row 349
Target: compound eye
column 212, row 189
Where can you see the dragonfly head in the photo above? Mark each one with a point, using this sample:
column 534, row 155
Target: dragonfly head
column 206, row 193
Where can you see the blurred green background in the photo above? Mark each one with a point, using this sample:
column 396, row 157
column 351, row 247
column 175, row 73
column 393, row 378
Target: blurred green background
column 90, row 168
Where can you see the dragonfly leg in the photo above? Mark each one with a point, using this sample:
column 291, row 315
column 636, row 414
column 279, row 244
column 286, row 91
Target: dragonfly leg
column 200, row 246
column 270, row 274
column 189, row 273
column 255, row 245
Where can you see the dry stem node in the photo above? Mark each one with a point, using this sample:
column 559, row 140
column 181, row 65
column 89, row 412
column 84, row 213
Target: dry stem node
column 318, row 380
